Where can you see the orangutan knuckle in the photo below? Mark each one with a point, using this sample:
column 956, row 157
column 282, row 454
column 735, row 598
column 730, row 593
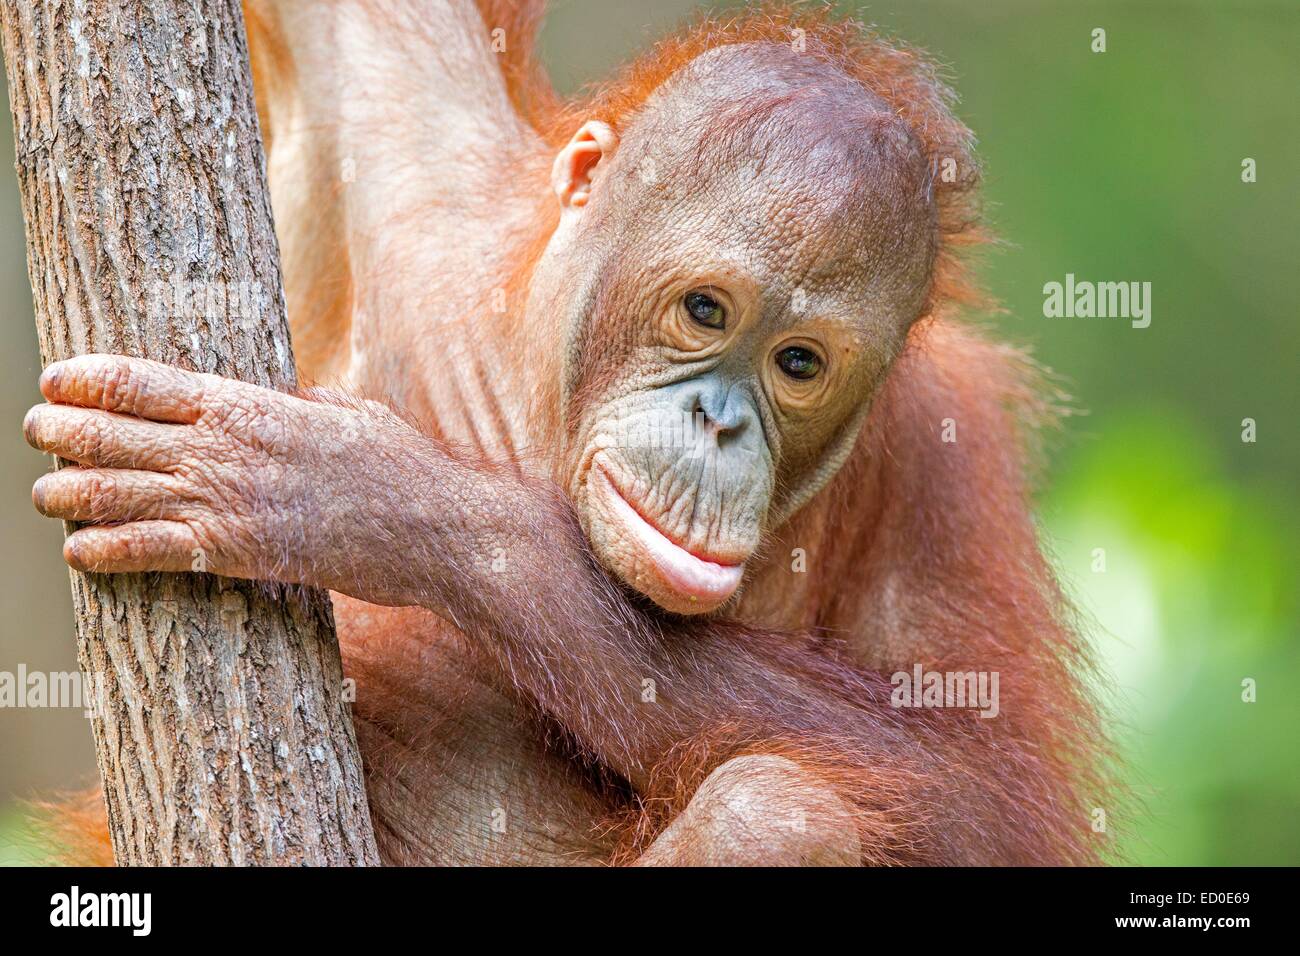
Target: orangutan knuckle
column 792, row 816
column 207, row 534
column 198, row 479
column 271, row 432
column 90, row 434
column 251, row 420
column 119, row 386
column 228, row 411
column 95, row 488
column 127, row 546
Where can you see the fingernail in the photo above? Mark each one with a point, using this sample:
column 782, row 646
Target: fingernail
column 38, row 495
column 50, row 378
column 72, row 555
column 29, row 427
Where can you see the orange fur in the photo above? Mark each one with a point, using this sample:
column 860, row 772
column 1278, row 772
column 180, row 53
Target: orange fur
column 904, row 78
column 928, row 550
column 72, row 830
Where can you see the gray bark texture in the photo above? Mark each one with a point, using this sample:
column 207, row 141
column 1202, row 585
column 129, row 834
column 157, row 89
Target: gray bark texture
column 222, row 732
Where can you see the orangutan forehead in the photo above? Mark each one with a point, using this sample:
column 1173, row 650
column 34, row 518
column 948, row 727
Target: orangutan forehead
column 769, row 143
column 765, row 104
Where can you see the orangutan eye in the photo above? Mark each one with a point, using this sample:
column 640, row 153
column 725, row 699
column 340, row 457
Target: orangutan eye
column 704, row 309
column 799, row 363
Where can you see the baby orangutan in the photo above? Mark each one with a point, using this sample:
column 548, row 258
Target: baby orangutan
column 666, row 503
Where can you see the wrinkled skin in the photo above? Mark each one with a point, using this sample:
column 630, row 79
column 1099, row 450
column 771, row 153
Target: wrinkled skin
column 691, row 429
column 585, row 510
column 175, row 468
column 838, row 267
column 685, row 430
column 173, row 463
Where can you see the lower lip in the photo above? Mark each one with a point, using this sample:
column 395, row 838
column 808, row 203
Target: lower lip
column 692, row 577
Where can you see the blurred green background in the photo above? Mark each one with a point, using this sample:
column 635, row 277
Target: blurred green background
column 1123, row 165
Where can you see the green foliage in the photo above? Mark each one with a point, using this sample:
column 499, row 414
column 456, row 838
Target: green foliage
column 15, row 839
column 1197, row 595
column 1126, row 165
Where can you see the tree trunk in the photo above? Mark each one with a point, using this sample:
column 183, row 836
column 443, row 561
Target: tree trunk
column 222, row 734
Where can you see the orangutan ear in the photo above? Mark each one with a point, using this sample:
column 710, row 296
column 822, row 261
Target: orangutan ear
column 576, row 165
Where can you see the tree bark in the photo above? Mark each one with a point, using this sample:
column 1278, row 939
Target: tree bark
column 221, row 731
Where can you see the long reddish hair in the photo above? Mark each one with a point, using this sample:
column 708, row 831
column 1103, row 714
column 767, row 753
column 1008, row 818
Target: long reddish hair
column 927, row 549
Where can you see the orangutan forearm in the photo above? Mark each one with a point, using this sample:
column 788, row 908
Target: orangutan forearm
column 664, row 700
column 503, row 558
column 174, row 464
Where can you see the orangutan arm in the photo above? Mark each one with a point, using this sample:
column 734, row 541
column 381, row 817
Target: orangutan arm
column 259, row 484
